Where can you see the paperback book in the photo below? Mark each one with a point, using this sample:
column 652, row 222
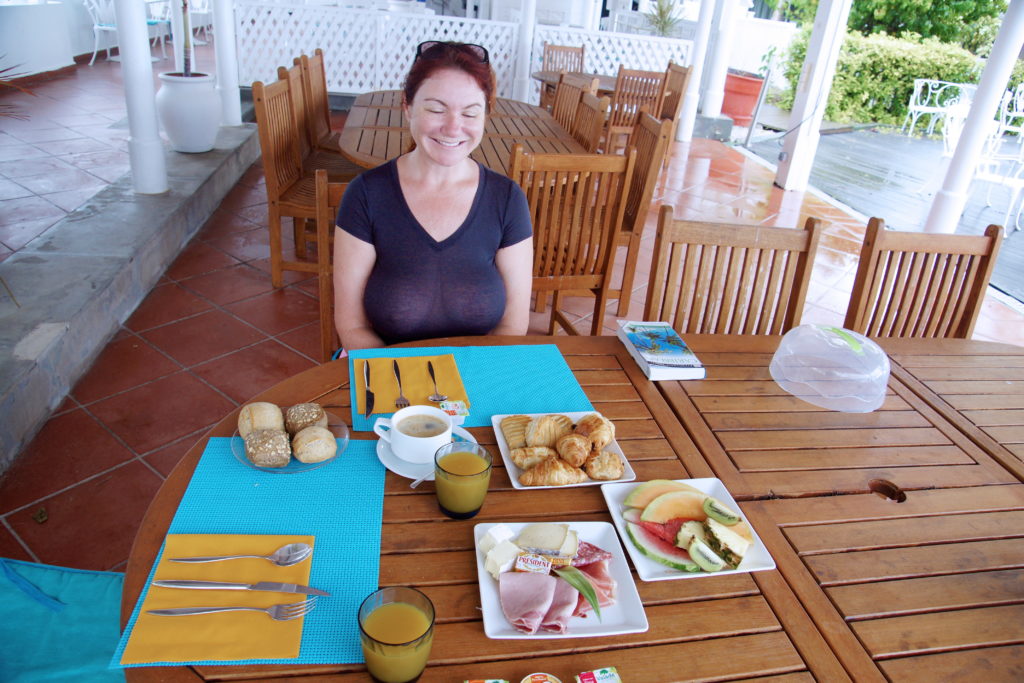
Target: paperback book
column 659, row 351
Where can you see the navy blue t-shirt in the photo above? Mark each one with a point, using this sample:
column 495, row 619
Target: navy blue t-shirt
column 420, row 288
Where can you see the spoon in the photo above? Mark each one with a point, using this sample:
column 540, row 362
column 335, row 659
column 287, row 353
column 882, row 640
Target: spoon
column 428, row 476
column 285, row 556
column 436, row 397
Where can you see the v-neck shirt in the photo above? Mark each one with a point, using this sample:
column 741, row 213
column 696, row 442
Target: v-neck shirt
column 421, row 288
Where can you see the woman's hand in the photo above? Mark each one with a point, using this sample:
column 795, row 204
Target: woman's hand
column 353, row 262
column 515, row 263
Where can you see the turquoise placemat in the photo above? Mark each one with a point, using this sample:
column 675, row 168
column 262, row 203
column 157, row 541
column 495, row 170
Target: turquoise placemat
column 340, row 504
column 523, row 378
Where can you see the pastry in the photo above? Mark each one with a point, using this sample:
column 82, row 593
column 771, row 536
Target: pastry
column 599, row 428
column 544, row 430
column 314, row 444
column 604, row 465
column 552, row 471
column 573, row 448
column 268, row 447
column 255, row 416
column 304, row 415
column 527, row 457
column 513, row 427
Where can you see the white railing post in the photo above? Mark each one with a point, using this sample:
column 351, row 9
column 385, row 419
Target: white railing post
column 691, row 100
column 227, row 63
column 145, row 148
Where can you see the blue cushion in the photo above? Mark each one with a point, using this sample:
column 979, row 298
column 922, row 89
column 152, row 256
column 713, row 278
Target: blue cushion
column 58, row 624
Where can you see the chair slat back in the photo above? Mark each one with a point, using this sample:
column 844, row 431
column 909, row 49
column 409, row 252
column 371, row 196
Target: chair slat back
column 911, row 284
column 677, row 79
column 299, row 114
column 318, row 108
column 568, row 93
column 635, row 89
column 719, row 278
column 279, row 145
column 587, row 125
column 650, row 140
column 562, row 58
column 328, row 199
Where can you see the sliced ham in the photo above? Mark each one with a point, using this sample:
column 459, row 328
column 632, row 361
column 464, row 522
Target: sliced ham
column 563, row 604
column 525, row 598
column 604, row 586
column 588, row 553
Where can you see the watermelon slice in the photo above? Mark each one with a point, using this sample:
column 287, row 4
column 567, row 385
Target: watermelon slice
column 659, row 550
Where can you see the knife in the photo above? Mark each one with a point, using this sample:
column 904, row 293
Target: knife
column 367, row 395
column 261, row 586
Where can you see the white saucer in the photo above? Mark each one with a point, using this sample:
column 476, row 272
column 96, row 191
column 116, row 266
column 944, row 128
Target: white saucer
column 413, row 470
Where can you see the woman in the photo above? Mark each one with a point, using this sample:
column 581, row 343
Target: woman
column 433, row 244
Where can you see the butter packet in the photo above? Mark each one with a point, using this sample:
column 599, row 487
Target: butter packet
column 457, row 411
column 485, row 680
column 605, row 675
column 529, row 562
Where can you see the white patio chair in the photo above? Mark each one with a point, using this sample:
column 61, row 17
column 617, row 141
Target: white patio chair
column 200, row 14
column 934, row 99
column 1011, row 112
column 104, row 20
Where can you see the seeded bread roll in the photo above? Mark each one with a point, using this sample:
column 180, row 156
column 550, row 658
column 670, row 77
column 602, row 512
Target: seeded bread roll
column 256, row 416
column 268, row 447
column 304, row 415
column 314, row 444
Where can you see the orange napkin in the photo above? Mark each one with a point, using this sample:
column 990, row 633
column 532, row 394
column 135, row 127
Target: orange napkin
column 223, row 636
column 416, row 382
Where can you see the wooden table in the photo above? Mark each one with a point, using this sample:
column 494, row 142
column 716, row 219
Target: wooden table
column 375, row 131
column 605, row 83
column 866, row 588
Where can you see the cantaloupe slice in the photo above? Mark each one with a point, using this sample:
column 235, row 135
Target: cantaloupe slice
column 644, row 493
column 675, row 505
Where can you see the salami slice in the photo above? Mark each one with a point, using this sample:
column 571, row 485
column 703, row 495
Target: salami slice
column 588, row 553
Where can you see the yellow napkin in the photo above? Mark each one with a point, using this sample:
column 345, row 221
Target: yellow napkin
column 223, row 636
column 416, row 382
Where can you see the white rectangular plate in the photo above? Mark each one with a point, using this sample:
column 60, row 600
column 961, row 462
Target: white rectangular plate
column 514, row 471
column 625, row 616
column 756, row 559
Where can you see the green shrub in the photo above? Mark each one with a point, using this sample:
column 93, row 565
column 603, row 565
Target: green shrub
column 875, row 74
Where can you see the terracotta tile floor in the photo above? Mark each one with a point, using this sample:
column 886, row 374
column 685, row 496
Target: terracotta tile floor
column 214, row 332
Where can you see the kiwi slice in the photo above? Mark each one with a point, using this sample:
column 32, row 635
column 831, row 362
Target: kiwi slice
column 705, row 557
column 718, row 512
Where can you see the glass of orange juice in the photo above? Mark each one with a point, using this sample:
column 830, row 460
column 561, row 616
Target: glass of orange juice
column 396, row 628
column 462, row 473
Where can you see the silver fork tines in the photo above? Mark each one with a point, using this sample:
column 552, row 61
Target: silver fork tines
column 401, row 401
column 285, row 612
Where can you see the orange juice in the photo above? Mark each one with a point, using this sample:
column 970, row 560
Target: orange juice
column 396, row 642
column 462, row 473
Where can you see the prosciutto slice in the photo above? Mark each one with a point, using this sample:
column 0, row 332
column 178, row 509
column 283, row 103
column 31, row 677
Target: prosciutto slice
column 563, row 604
column 587, row 553
column 604, row 586
column 525, row 598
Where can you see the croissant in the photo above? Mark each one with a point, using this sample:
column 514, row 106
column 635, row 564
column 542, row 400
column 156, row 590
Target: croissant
column 544, row 430
column 599, row 428
column 513, row 427
column 527, row 457
column 552, row 471
column 604, row 465
column 573, row 448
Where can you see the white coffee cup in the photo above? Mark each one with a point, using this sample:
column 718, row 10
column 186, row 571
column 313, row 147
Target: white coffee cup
column 416, row 440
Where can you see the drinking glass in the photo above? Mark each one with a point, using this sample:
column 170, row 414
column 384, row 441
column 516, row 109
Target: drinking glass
column 396, row 628
column 462, row 473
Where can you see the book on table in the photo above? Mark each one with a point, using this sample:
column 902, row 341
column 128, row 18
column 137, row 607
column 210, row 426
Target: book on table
column 659, row 351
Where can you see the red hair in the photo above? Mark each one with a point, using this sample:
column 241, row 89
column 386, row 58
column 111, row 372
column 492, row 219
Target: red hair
column 449, row 56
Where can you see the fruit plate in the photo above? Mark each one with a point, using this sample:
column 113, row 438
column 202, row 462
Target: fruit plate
column 756, row 558
column 514, row 470
column 335, row 425
column 625, row 616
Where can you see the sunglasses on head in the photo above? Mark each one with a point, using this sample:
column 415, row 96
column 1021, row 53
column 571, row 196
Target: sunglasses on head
column 477, row 51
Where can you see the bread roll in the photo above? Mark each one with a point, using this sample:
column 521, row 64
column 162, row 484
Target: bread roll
column 314, row 444
column 598, row 428
column 525, row 458
column 268, row 447
column 604, row 466
column 304, row 415
column 513, row 428
column 256, row 416
column 552, row 471
column 546, row 429
column 573, row 448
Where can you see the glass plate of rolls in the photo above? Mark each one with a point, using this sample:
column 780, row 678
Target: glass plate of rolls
column 551, row 450
column 287, row 439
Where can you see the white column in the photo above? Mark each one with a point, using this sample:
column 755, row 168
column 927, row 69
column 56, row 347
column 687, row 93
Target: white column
column 688, row 114
column 524, row 67
column 722, row 28
column 227, row 63
column 944, row 215
column 592, row 19
column 145, row 149
column 800, row 145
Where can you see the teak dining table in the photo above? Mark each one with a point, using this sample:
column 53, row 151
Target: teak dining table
column 605, row 82
column 375, row 131
column 866, row 588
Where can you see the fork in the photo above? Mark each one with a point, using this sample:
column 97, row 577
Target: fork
column 401, row 401
column 285, row 612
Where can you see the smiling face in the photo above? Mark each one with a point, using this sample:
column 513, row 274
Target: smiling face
column 447, row 116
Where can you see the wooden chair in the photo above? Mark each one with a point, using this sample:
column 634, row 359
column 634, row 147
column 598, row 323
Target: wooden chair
column 587, row 125
column 564, row 58
column 730, row 279
column 912, row 284
column 328, row 198
column 577, row 202
column 633, row 89
column 290, row 190
column 650, row 140
column 677, row 80
column 569, row 92
column 318, row 107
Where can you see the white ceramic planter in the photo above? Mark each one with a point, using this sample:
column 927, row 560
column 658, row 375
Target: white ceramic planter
column 189, row 111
